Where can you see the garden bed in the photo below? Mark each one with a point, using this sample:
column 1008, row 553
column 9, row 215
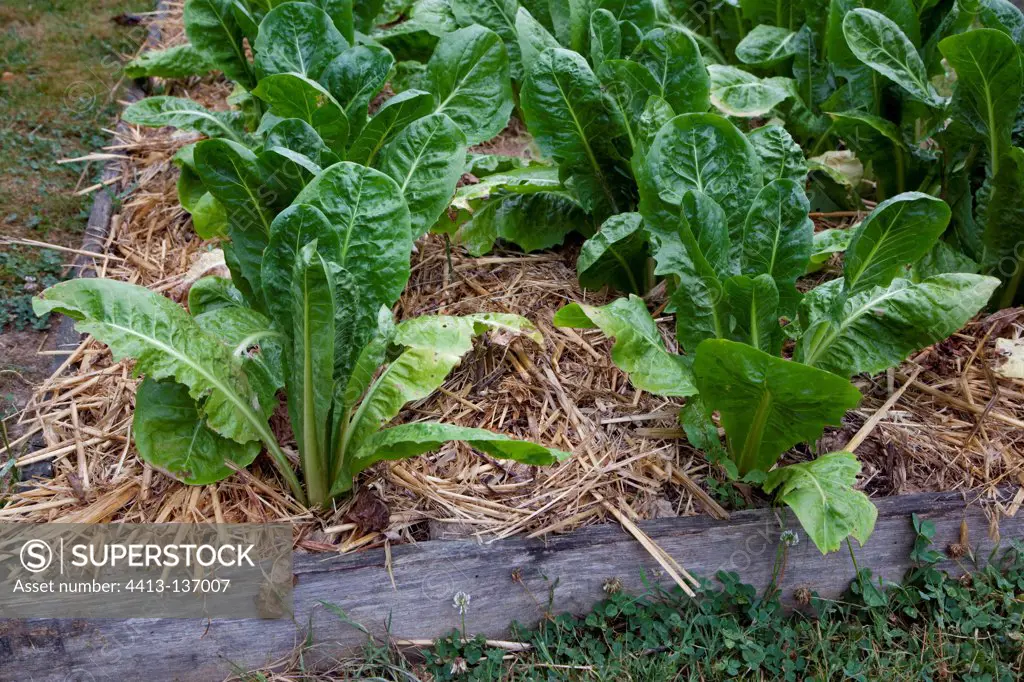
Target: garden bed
column 939, row 433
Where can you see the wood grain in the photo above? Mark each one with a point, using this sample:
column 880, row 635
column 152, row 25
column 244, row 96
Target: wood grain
column 573, row 567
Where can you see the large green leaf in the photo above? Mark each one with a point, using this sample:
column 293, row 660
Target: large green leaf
column 781, row 157
column 391, row 119
column 426, row 160
column 605, row 37
column 1002, row 230
column 533, row 38
column 876, row 140
column 673, row 58
column 187, row 115
column 168, row 344
column 372, row 218
column 697, row 253
column 298, row 136
column 988, row 85
column 409, row 440
column 497, row 15
column 703, row 153
column 878, row 328
column 354, row 78
column 309, row 365
column 629, row 87
column 736, row 92
column 570, row 20
column 778, row 234
column 639, row 349
column 767, row 45
column 754, row 305
column 616, row 255
column 341, row 13
column 292, row 95
column 821, row 494
column 291, row 231
column 468, row 74
column 532, row 221
column 212, row 29
column 568, row 115
column 209, row 217
column 171, row 436
column 880, row 43
column 370, row 359
column 180, row 61
column 767, row 404
column 898, row 232
column 296, row 37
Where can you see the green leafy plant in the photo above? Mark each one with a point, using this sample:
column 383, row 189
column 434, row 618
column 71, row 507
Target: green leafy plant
column 316, row 322
column 733, row 250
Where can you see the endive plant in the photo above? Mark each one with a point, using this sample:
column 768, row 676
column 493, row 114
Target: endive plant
column 731, row 234
column 316, row 321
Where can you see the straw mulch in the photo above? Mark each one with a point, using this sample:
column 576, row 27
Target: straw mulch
column 944, row 421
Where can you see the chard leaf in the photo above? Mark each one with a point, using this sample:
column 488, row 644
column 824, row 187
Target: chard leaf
column 639, row 350
column 209, row 218
column 898, row 232
column 500, row 17
column 354, row 78
column 767, row 45
column 878, row 328
column 366, row 207
column 365, row 12
column 703, row 153
column 298, row 136
column 781, row 157
column 167, row 343
column 629, row 87
column 211, row 293
column 250, row 337
column 777, row 236
column 568, row 116
column 767, row 404
column 533, row 37
column 434, row 346
column 468, row 75
column 426, row 160
column 532, row 221
column 391, row 119
column 879, row 42
column 184, row 114
column 212, row 28
column 292, row 95
column 655, row 113
column 616, row 255
column 1002, row 230
column 171, row 436
column 409, row 440
column 698, row 254
column 735, row 92
column 879, row 141
column 309, row 364
column 296, row 37
column 293, row 228
column 988, row 85
column 673, row 58
column 180, row 61
column 754, row 304
column 245, row 188
column 821, row 494
column 605, row 37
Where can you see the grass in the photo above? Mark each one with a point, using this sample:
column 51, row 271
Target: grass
column 60, row 64
column 930, row 627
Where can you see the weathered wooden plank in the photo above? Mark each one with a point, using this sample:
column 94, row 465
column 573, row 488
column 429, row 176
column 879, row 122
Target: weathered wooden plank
column 428, row 574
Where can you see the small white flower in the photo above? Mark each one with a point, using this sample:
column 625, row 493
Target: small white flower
column 459, row 666
column 461, row 602
column 790, row 537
